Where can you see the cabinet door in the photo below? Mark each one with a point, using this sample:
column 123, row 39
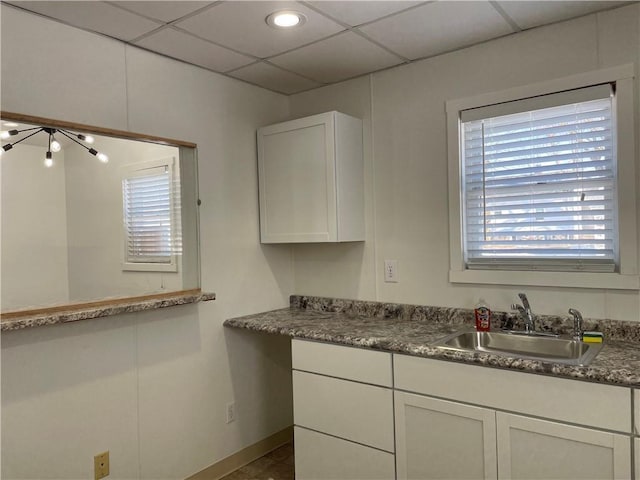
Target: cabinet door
column 637, row 457
column 436, row 439
column 324, row 457
column 296, row 162
column 529, row 448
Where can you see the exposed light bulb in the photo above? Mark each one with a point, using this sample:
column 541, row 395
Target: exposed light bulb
column 48, row 160
column 55, row 145
column 85, row 138
column 102, row 157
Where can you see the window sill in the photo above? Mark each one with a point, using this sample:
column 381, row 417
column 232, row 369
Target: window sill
column 607, row 281
column 86, row 311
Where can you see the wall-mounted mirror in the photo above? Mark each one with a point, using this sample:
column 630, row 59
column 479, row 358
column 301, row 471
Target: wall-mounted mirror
column 81, row 227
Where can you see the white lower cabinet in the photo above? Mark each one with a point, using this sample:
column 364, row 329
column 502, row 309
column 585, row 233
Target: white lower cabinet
column 450, row 421
column 323, row 457
column 529, row 448
column 438, row 439
column 343, row 413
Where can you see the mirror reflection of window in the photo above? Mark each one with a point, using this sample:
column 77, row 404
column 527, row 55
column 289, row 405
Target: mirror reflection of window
column 152, row 238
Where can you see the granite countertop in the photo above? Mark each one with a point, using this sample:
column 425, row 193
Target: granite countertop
column 410, row 329
column 74, row 313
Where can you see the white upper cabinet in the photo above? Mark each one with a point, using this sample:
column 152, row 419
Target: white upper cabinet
column 311, row 177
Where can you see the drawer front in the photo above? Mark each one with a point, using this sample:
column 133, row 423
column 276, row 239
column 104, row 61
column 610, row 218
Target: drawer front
column 352, row 411
column 320, row 456
column 569, row 401
column 357, row 364
column 636, row 402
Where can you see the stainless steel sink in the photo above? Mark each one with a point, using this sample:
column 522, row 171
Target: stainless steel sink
column 520, row 345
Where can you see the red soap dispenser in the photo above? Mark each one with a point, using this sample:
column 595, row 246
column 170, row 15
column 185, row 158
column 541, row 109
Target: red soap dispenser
column 483, row 316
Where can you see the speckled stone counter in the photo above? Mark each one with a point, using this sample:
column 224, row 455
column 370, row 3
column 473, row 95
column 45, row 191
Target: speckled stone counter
column 77, row 314
column 410, row 329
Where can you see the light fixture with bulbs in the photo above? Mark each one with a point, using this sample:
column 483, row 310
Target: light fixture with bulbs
column 54, row 145
column 286, row 19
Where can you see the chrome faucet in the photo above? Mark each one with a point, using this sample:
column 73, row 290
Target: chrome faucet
column 577, row 324
column 525, row 313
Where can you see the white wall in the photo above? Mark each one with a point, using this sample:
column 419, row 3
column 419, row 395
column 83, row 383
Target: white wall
column 34, row 230
column 406, row 165
column 95, row 224
column 150, row 387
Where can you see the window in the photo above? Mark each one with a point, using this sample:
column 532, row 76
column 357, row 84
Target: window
column 539, row 187
column 150, row 211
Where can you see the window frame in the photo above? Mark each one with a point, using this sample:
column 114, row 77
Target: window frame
column 134, row 170
column 627, row 276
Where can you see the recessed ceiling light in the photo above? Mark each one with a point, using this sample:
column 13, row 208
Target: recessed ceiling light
column 10, row 124
column 286, row 19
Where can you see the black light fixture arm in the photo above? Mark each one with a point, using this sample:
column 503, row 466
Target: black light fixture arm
column 9, row 146
column 16, row 132
column 68, row 135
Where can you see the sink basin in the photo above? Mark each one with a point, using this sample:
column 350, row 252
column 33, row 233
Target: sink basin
column 517, row 345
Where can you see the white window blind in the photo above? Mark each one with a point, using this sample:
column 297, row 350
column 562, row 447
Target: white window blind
column 539, row 183
column 151, row 236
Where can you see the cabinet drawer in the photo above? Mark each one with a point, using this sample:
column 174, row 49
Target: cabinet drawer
column 569, row 401
column 350, row 363
column 636, row 402
column 320, row 456
column 353, row 411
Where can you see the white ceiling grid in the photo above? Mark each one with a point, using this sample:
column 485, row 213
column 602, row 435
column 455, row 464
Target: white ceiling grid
column 340, row 40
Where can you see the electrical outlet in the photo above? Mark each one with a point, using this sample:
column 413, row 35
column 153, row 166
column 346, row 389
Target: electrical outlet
column 391, row 271
column 231, row 412
column 101, row 465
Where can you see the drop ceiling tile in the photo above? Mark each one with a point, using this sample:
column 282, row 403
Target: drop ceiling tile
column 95, row 16
column 358, row 12
column 164, row 11
column 337, row 58
column 194, row 50
column 438, row 27
column 529, row 14
column 273, row 78
column 241, row 25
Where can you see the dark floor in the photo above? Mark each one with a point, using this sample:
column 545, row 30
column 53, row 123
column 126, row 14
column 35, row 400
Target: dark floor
column 276, row 465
